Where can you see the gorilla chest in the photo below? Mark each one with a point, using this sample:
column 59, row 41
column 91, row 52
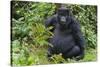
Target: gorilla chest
column 62, row 38
column 62, row 43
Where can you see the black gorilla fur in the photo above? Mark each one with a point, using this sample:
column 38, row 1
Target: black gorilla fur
column 68, row 38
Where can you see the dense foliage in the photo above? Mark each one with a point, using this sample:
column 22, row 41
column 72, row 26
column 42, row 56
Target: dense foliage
column 29, row 35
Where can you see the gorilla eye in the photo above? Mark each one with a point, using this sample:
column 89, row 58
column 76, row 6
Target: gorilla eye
column 61, row 12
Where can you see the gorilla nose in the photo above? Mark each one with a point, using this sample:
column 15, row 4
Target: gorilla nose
column 63, row 19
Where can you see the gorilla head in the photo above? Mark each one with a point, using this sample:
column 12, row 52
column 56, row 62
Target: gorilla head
column 63, row 16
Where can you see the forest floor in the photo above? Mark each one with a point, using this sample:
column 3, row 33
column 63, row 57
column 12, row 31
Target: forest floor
column 40, row 54
column 35, row 55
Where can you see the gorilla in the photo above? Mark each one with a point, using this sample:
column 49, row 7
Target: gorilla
column 68, row 38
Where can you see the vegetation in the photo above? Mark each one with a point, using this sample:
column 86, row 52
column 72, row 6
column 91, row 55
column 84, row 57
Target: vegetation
column 29, row 35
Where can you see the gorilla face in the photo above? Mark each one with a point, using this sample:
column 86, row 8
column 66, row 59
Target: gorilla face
column 63, row 16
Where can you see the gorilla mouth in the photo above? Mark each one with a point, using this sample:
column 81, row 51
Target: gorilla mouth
column 63, row 19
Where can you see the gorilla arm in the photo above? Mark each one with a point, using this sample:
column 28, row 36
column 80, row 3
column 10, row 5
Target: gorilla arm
column 78, row 36
column 51, row 22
